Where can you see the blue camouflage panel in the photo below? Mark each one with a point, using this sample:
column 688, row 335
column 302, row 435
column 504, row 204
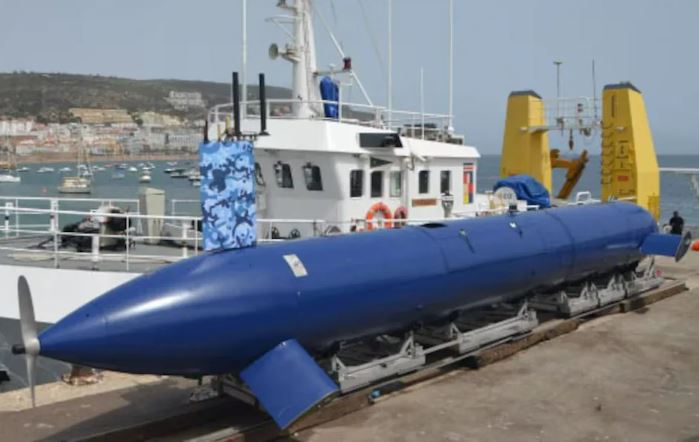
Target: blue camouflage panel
column 227, row 194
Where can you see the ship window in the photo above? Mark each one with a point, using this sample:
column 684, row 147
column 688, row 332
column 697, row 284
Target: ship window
column 396, row 189
column 258, row 175
column 356, row 183
column 379, row 139
column 377, row 184
column 311, row 174
column 282, row 172
column 424, row 181
column 445, row 181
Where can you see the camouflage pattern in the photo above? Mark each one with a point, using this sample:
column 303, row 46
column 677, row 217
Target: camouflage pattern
column 227, row 194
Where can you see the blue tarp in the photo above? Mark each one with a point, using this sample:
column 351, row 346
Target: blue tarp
column 527, row 189
column 329, row 92
column 227, row 194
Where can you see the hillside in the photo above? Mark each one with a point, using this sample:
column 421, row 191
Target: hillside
column 49, row 96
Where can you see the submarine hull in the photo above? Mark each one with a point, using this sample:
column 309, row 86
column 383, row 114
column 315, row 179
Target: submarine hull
column 220, row 312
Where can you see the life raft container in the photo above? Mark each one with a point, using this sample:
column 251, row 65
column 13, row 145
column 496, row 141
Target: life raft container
column 379, row 208
column 401, row 213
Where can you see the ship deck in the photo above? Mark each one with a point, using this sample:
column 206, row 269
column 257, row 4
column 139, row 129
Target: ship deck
column 616, row 377
column 143, row 258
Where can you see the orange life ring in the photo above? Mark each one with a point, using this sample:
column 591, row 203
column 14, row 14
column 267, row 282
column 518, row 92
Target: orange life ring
column 695, row 246
column 383, row 210
column 400, row 213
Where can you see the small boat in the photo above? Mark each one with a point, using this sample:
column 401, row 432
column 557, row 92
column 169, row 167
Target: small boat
column 172, row 163
column 45, row 170
column 75, row 184
column 23, row 169
column 196, row 182
column 65, row 169
column 9, row 178
column 122, row 166
column 179, row 173
column 144, row 178
column 118, row 176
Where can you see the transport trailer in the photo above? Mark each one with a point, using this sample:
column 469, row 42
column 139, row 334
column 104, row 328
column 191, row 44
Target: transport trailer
column 271, row 315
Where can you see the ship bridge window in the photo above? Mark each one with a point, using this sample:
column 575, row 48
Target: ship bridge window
column 445, row 182
column 396, row 187
column 377, row 184
column 259, row 179
column 380, row 139
column 356, row 183
column 423, row 181
column 311, row 174
column 282, row 172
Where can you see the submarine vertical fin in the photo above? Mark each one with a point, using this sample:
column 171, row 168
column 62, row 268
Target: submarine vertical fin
column 228, row 194
column 288, row 382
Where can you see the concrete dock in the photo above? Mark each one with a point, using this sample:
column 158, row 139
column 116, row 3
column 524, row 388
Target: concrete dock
column 628, row 376
column 631, row 377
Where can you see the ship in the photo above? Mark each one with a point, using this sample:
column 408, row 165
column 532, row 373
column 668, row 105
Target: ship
column 324, row 166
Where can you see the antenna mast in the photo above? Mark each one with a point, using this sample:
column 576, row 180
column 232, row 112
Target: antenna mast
column 594, row 90
column 301, row 53
column 450, row 129
column 390, row 61
column 244, row 53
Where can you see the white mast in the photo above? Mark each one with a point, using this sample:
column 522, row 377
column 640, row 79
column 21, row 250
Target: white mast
column 422, row 103
column 244, row 56
column 450, row 129
column 390, row 62
column 301, row 52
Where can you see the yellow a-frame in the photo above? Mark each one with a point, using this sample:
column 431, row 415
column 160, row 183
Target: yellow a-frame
column 629, row 169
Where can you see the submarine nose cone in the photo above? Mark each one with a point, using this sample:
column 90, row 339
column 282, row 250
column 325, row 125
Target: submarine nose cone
column 75, row 338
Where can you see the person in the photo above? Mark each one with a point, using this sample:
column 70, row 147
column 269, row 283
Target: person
column 676, row 223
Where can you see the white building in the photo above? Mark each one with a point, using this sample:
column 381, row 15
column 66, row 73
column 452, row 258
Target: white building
column 185, row 100
column 16, row 127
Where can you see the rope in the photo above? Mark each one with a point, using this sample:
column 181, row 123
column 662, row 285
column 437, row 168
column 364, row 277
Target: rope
column 372, row 37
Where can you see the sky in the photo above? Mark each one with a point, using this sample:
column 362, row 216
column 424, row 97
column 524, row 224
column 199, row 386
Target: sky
column 500, row 46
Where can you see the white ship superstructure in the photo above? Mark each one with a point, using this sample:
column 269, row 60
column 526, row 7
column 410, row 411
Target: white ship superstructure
column 362, row 163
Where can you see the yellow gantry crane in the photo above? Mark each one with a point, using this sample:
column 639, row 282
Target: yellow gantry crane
column 629, row 169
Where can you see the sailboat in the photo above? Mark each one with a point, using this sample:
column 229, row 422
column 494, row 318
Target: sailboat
column 80, row 184
column 6, row 175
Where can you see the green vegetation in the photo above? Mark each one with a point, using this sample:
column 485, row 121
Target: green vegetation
column 49, row 96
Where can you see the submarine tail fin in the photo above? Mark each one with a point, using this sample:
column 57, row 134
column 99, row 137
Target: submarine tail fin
column 667, row 245
column 288, row 382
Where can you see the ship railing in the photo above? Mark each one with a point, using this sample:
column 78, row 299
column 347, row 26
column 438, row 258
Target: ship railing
column 567, row 113
column 407, row 123
column 57, row 204
column 16, row 236
column 191, row 206
column 146, row 246
column 132, row 247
